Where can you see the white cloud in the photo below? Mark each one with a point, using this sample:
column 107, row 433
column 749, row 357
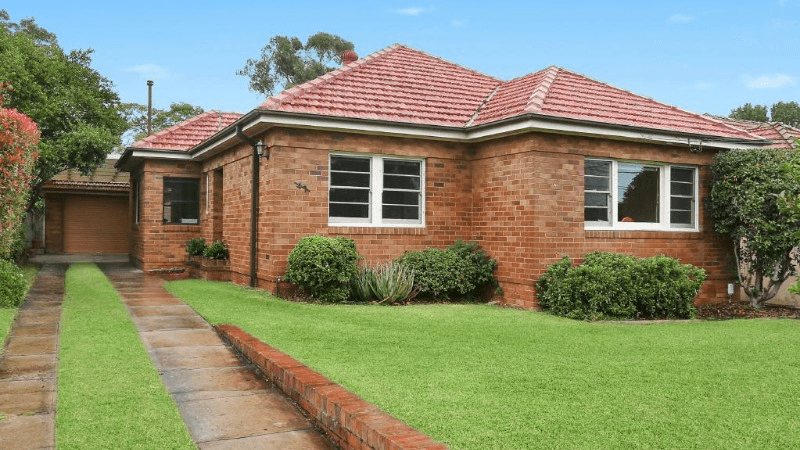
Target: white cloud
column 680, row 18
column 704, row 85
column 410, row 11
column 150, row 71
column 769, row 81
column 458, row 23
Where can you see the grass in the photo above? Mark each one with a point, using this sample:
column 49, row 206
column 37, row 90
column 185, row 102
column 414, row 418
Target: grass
column 109, row 393
column 482, row 377
column 7, row 315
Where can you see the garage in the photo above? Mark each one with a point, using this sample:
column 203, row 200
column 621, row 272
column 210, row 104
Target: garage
column 87, row 214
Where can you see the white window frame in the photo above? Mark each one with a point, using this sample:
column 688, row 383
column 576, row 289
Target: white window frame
column 664, row 175
column 375, row 218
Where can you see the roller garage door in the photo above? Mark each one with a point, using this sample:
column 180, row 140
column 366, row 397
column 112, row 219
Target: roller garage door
column 96, row 224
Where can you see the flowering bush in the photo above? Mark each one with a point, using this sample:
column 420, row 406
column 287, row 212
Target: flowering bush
column 19, row 139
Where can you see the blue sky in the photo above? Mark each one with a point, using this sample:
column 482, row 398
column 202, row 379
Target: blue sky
column 703, row 56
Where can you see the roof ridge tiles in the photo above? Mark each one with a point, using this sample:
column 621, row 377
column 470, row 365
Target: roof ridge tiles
column 539, row 95
column 484, row 103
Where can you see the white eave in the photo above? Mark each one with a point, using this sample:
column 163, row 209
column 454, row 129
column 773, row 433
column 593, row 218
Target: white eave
column 258, row 121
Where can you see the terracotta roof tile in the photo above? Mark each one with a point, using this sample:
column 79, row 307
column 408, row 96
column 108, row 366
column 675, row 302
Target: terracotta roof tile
column 104, row 178
column 397, row 84
column 782, row 135
column 188, row 133
column 400, row 84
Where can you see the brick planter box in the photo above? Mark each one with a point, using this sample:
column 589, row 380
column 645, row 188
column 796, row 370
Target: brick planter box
column 351, row 422
column 209, row 269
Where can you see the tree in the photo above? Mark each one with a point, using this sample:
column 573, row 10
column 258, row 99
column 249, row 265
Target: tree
column 286, row 61
column 747, row 204
column 786, row 112
column 756, row 113
column 136, row 115
column 18, row 153
column 74, row 106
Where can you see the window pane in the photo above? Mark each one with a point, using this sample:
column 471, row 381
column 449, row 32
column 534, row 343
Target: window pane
column 401, row 167
column 348, row 210
column 682, row 199
column 181, row 200
column 401, row 212
column 349, row 195
column 400, row 198
column 597, row 168
column 682, row 204
column 685, row 189
column 681, row 217
column 596, row 199
column 638, row 193
column 685, row 175
column 350, row 164
column 595, row 214
column 596, row 183
column 349, row 179
column 401, row 182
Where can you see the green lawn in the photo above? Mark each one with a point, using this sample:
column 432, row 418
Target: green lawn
column 478, row 377
column 7, row 315
column 109, row 393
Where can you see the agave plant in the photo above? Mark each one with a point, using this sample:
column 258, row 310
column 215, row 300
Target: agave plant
column 361, row 285
column 392, row 283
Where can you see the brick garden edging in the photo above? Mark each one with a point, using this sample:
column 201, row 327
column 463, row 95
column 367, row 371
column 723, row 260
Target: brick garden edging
column 348, row 420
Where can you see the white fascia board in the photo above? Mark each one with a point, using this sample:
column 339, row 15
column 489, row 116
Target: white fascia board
column 134, row 156
column 262, row 120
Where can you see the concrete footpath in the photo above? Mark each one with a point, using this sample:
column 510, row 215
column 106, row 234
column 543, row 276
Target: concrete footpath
column 28, row 366
column 224, row 402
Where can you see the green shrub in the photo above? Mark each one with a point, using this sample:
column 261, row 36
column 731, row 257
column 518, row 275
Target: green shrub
column 456, row 272
column 13, row 285
column 323, row 267
column 616, row 286
column 361, row 285
column 216, row 250
column 196, row 247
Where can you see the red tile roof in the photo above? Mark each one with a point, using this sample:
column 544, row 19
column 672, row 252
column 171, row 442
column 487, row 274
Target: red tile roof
column 397, row 84
column 400, row 84
column 782, row 135
column 104, row 178
column 188, row 133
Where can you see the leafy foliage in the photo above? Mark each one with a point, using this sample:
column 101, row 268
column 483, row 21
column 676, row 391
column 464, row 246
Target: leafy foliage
column 13, row 285
column 323, row 266
column 756, row 113
column 216, row 250
column 196, row 247
column 456, row 272
column 747, row 205
column 785, row 112
column 136, row 115
column 286, row 61
column 18, row 154
column 617, row 286
column 75, row 108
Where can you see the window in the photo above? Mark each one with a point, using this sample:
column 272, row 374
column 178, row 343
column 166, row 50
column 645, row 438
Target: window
column 639, row 196
column 375, row 191
column 182, row 200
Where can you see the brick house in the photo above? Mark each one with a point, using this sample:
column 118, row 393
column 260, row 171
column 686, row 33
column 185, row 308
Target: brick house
column 402, row 150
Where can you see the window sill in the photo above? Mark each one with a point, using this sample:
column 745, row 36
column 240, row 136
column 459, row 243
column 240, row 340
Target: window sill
column 418, row 230
column 595, row 233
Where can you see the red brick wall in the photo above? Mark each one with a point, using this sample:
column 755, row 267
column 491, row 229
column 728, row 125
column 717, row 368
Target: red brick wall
column 528, row 197
column 54, row 223
column 156, row 245
column 520, row 197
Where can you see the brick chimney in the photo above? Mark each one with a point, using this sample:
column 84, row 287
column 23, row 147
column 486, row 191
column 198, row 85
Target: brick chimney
column 348, row 57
